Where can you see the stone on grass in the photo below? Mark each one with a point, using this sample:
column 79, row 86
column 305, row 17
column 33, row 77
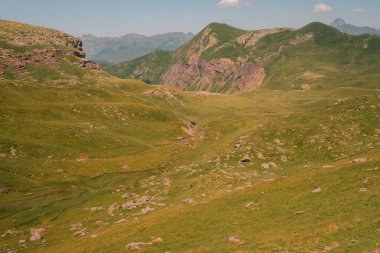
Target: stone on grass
column 245, row 159
column 235, row 239
column 188, row 201
column 37, row 234
column 359, row 160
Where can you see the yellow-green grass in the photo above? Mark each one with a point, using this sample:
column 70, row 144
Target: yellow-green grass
column 41, row 121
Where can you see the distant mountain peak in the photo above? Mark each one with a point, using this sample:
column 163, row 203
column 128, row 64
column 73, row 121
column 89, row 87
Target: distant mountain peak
column 338, row 22
column 342, row 26
column 130, row 46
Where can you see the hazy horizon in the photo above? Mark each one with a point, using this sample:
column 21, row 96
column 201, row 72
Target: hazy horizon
column 148, row 17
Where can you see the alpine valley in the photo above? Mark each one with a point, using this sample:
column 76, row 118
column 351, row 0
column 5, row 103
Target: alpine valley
column 248, row 141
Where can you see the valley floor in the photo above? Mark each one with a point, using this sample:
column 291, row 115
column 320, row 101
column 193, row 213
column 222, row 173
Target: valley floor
column 117, row 168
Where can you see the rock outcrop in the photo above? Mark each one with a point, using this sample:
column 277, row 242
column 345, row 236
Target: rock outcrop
column 206, row 75
column 25, row 45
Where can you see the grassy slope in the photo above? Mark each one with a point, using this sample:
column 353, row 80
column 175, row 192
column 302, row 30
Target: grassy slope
column 156, row 61
column 339, row 213
column 113, row 124
column 338, row 59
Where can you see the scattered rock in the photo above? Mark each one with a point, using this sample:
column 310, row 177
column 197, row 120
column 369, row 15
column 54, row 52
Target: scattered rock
column 82, row 158
column 273, row 165
column 166, row 182
column 269, row 165
column 331, row 246
column 22, row 241
column 135, row 245
column 252, row 206
column 157, row 240
column 299, row 212
column 126, row 195
column 183, row 140
column 121, row 220
column 59, row 171
column 94, row 209
column 13, row 151
column 317, row 190
column 245, row 159
column 147, row 210
column 235, row 239
column 5, row 189
column 112, row 208
column 94, row 236
column 327, row 166
column 12, row 232
column 189, row 201
column 86, row 64
column 363, row 190
column 284, row 158
column 81, row 232
column 37, row 234
column 139, row 245
column 136, row 202
column 260, row 156
column 75, row 226
column 359, row 160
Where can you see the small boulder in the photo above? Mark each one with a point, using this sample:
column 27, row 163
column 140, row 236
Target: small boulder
column 157, row 240
column 245, row 159
column 188, row 201
column 147, row 210
column 359, row 160
column 81, row 232
column 260, row 156
column 166, row 182
column 75, row 226
column 273, row 165
column 317, row 190
column 126, row 195
column 37, row 234
column 235, row 239
column 59, row 171
column 284, row 159
column 5, row 189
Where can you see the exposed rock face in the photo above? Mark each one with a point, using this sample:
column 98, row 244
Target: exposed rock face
column 205, row 75
column 251, row 38
column 30, row 45
column 86, row 64
column 197, row 74
column 217, row 60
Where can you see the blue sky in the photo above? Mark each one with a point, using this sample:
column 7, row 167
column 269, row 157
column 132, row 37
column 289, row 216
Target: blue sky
column 119, row 17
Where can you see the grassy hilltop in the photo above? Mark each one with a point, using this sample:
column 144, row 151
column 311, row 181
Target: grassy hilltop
column 100, row 162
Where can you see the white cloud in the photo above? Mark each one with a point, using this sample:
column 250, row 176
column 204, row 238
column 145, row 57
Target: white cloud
column 321, row 8
column 358, row 10
column 233, row 3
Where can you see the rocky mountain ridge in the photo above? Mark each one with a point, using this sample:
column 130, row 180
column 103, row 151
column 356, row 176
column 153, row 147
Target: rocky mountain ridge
column 225, row 59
